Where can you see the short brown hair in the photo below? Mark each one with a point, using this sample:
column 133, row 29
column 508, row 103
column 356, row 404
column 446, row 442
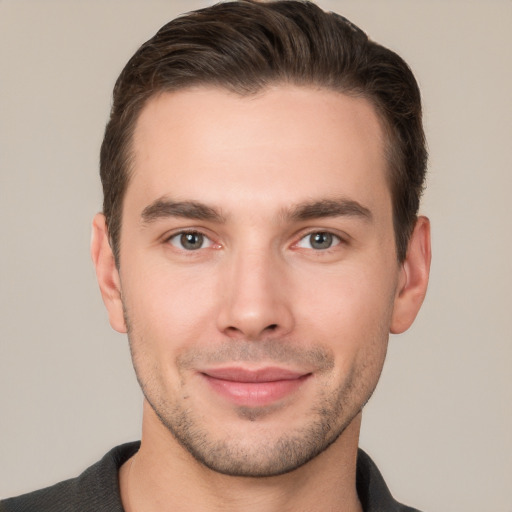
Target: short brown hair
column 248, row 45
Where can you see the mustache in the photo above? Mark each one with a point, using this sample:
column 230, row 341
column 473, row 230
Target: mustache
column 316, row 358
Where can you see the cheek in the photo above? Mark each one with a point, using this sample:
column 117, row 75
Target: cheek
column 353, row 291
column 167, row 315
column 351, row 312
column 169, row 307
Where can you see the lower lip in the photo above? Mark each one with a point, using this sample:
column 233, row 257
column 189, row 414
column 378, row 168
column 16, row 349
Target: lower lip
column 255, row 394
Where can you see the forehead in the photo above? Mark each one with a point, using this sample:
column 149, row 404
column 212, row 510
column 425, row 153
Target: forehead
column 283, row 144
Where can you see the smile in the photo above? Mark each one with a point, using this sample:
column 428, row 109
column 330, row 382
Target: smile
column 254, row 388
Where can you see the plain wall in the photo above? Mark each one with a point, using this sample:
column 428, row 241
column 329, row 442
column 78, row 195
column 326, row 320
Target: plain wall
column 439, row 425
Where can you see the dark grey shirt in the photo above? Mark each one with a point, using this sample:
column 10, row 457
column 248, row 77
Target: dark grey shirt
column 97, row 489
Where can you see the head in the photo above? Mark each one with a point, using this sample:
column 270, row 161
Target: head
column 262, row 170
column 245, row 47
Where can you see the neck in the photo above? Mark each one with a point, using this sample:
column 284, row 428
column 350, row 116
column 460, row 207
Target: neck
column 164, row 477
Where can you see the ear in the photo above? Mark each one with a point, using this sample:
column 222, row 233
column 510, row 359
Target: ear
column 413, row 279
column 107, row 273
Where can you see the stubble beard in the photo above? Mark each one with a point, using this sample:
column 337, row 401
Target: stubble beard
column 273, row 456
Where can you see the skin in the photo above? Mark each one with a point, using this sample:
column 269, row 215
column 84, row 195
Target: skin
column 270, row 172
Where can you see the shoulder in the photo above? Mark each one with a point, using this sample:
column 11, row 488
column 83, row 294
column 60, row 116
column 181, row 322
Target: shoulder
column 372, row 489
column 95, row 490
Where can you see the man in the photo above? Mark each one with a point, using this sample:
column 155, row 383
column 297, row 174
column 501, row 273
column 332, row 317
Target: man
column 259, row 240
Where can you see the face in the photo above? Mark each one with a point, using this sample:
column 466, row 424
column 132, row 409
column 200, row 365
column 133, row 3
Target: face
column 258, row 275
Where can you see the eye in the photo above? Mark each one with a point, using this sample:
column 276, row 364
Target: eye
column 319, row 240
column 190, row 241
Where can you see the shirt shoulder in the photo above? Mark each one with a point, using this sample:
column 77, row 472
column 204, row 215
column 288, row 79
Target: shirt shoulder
column 95, row 490
column 372, row 489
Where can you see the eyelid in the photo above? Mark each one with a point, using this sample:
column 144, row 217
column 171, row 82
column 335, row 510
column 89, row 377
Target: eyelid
column 341, row 238
column 183, row 231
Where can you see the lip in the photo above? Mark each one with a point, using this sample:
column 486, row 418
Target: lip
column 254, row 388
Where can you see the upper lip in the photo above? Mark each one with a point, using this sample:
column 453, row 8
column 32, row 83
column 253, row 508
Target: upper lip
column 267, row 374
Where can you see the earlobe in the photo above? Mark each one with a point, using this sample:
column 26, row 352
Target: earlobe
column 413, row 278
column 107, row 273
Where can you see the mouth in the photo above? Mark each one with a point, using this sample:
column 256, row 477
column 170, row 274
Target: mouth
column 254, row 388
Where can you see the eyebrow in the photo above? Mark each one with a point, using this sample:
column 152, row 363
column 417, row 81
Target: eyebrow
column 328, row 208
column 164, row 208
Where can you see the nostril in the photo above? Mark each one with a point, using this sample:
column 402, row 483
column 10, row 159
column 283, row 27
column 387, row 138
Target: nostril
column 271, row 327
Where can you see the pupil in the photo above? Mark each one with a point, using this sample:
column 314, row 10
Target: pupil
column 321, row 240
column 192, row 240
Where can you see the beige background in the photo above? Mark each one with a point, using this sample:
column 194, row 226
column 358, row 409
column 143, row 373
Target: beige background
column 440, row 423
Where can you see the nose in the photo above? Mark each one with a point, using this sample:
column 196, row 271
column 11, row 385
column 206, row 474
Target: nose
column 255, row 301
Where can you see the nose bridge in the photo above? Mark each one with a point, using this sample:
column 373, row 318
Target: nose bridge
column 253, row 304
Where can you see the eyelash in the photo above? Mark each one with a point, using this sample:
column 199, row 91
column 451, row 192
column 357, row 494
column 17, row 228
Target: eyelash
column 335, row 240
column 180, row 234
